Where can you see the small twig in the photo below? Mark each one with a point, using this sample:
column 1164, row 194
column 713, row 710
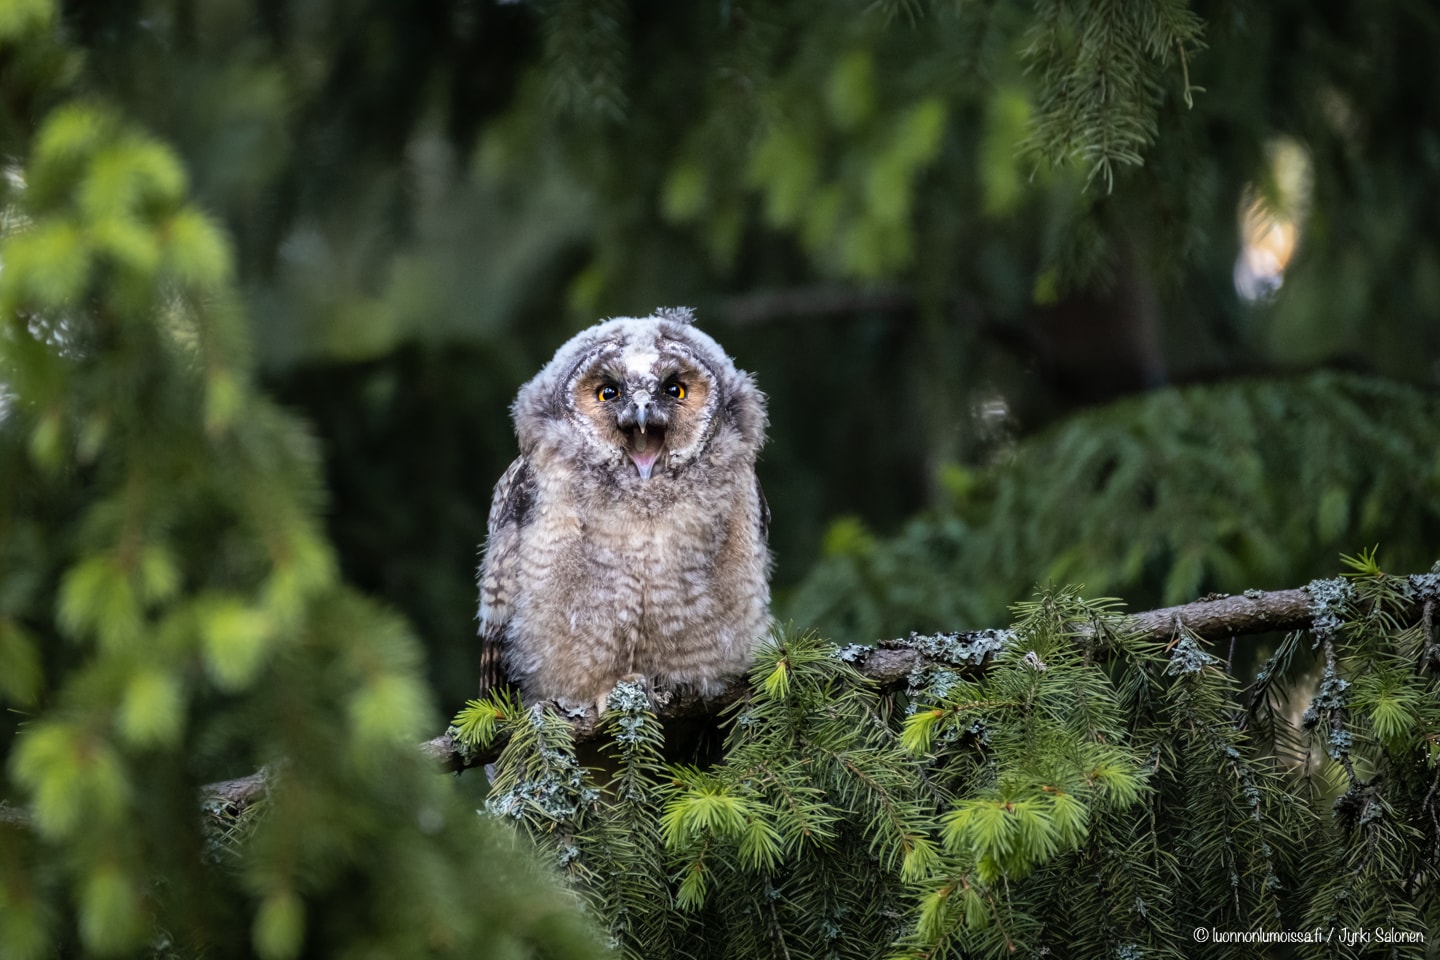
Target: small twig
column 779, row 931
column 1428, row 646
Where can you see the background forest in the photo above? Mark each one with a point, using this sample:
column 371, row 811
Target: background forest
column 1137, row 294
column 949, row 240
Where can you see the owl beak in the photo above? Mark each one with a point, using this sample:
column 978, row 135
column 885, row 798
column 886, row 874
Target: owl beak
column 645, row 429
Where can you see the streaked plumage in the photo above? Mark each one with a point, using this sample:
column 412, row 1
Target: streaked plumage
column 615, row 550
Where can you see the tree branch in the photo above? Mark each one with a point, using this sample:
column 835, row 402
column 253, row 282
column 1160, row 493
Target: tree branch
column 890, row 664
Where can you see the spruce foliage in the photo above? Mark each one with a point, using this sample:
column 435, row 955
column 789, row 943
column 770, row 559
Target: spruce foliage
column 1160, row 498
column 1374, row 731
column 1103, row 77
column 1059, row 788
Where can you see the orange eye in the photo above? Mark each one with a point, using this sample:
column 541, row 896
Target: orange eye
column 607, row 393
column 676, row 390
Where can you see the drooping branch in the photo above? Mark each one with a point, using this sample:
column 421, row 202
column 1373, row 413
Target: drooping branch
column 890, row 663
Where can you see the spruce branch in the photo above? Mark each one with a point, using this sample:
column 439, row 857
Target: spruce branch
column 890, row 664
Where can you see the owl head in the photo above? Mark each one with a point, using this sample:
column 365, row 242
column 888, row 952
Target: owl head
column 641, row 399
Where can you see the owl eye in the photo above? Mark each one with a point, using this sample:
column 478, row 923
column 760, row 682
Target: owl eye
column 607, row 393
column 675, row 390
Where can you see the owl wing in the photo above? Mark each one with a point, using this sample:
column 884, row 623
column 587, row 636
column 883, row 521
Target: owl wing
column 499, row 571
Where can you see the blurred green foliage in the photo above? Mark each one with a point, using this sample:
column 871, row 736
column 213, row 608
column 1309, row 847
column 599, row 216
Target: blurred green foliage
column 1160, row 498
column 171, row 611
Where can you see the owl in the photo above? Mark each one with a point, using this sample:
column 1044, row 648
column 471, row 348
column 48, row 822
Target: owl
column 630, row 535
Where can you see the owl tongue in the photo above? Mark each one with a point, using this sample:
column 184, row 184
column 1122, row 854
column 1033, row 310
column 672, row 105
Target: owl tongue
column 645, row 450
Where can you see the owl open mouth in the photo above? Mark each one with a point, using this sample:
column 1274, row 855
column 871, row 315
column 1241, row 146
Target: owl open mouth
column 645, row 449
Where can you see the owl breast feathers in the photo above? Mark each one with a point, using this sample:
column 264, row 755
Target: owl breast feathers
column 629, row 537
